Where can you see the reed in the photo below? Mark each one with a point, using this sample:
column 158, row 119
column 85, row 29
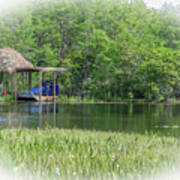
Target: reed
column 77, row 154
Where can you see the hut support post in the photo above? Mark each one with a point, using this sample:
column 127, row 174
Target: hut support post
column 1, row 82
column 9, row 84
column 12, row 85
column 43, row 79
column 54, row 86
column 15, row 86
column 4, row 82
column 1, row 88
column 30, row 80
column 40, row 86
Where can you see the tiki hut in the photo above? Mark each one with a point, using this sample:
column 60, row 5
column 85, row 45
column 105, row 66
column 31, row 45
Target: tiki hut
column 12, row 61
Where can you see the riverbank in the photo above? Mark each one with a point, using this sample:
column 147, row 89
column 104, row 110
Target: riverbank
column 75, row 153
column 79, row 100
column 6, row 98
column 76, row 99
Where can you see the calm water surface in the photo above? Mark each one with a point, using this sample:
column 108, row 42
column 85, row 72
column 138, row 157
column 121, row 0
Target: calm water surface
column 135, row 118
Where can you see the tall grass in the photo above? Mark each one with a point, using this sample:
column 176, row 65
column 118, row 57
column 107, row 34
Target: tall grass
column 66, row 154
column 6, row 98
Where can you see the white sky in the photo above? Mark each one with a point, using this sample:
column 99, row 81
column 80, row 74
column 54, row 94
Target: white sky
column 150, row 3
column 9, row 4
column 159, row 3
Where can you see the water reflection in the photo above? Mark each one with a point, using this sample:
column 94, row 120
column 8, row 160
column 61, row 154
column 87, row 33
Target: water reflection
column 29, row 115
column 41, row 108
column 137, row 118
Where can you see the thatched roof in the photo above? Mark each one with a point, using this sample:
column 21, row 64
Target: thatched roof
column 12, row 61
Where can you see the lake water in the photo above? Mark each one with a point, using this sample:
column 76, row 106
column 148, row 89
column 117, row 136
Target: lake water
column 135, row 118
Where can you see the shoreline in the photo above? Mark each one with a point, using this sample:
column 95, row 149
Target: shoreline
column 96, row 102
column 79, row 100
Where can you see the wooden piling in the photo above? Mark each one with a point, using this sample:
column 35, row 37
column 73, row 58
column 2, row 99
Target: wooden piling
column 1, row 82
column 54, row 86
column 15, row 86
column 30, row 80
column 12, row 85
column 40, row 86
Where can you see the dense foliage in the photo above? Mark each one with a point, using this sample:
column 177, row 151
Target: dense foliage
column 113, row 49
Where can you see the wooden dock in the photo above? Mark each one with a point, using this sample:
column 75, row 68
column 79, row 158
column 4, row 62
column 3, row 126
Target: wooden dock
column 32, row 97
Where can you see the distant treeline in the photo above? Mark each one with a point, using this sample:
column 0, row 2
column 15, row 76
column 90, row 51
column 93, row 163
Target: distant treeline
column 113, row 49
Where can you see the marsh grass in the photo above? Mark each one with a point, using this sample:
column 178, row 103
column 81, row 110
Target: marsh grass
column 77, row 154
column 78, row 99
column 6, row 98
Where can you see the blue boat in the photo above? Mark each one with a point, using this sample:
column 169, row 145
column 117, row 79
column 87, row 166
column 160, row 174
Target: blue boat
column 47, row 92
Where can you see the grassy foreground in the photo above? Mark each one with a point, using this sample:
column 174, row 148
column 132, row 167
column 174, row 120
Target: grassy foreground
column 60, row 154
